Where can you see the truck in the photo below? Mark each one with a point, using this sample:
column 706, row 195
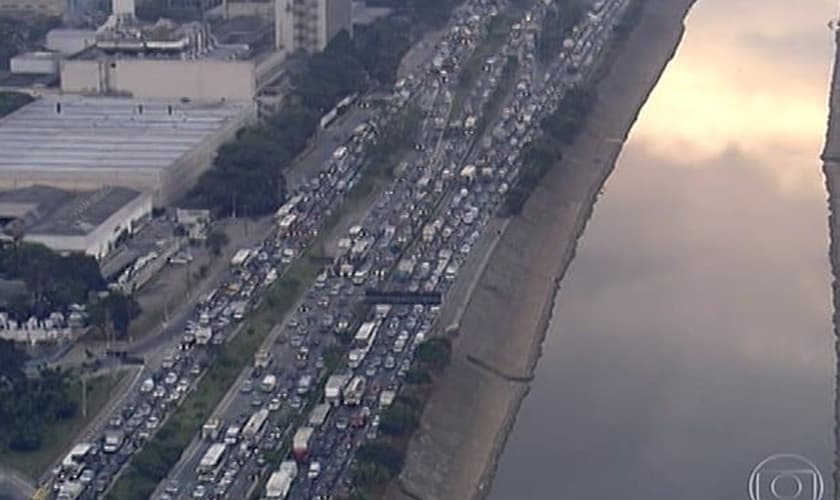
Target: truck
column 262, row 359
column 300, row 443
column 210, row 429
column 468, row 174
column 255, row 424
column 354, row 391
column 386, row 398
column 334, row 387
column 203, row 335
column 269, row 383
column 319, row 415
column 404, row 268
column 280, row 481
column 113, row 440
column 240, row 257
column 429, row 231
column 286, row 224
column 232, row 434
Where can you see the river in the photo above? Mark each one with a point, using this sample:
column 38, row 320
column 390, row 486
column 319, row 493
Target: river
column 692, row 336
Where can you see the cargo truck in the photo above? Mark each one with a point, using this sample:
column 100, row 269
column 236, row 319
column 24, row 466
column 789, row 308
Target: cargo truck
column 280, row 482
column 300, row 443
column 334, row 387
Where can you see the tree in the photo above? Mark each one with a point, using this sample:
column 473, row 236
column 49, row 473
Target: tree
column 400, row 418
column 216, row 240
column 435, row 352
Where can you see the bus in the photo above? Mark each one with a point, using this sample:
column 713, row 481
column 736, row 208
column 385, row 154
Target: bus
column 255, row 423
column 209, row 467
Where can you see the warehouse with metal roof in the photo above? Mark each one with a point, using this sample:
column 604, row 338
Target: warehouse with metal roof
column 76, row 142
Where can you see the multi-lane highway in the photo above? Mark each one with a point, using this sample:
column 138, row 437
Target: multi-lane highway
column 415, row 238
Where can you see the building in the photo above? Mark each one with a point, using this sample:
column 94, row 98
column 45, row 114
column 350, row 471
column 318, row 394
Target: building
column 90, row 222
column 25, row 8
column 79, row 143
column 309, row 25
column 167, row 60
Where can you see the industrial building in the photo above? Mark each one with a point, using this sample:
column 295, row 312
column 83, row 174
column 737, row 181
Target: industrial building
column 309, row 25
column 76, row 142
column 26, row 8
column 90, row 222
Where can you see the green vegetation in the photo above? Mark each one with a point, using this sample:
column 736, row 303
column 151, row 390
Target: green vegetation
column 41, row 415
column 19, row 35
column 54, row 282
column 150, row 465
column 10, row 101
column 216, row 240
column 558, row 130
column 559, row 20
column 630, row 18
column 506, row 81
column 378, row 462
column 434, row 354
column 402, row 417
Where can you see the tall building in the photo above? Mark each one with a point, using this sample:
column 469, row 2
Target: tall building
column 309, row 25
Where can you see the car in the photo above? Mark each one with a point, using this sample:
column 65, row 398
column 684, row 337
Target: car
column 173, row 487
column 314, row 470
column 200, row 491
column 274, row 404
column 247, row 387
column 152, row 422
column 256, row 402
column 171, row 378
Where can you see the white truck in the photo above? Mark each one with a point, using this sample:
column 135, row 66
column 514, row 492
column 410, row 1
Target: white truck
column 203, row 335
column 269, row 383
column 210, row 430
column 113, row 440
column 280, row 481
column 334, row 387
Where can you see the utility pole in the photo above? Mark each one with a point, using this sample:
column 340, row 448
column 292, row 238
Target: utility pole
column 84, row 396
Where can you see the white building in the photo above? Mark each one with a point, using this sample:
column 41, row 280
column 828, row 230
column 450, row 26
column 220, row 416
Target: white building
column 89, row 222
column 309, row 25
column 83, row 143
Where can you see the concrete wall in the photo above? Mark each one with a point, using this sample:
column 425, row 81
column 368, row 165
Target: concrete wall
column 205, row 79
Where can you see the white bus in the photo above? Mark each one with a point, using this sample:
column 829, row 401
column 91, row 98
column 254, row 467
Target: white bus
column 211, row 462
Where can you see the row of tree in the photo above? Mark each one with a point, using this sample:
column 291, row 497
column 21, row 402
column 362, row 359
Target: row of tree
column 561, row 17
column 54, row 282
column 381, row 461
column 559, row 129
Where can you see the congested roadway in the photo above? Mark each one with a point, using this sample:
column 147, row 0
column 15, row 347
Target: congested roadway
column 431, row 190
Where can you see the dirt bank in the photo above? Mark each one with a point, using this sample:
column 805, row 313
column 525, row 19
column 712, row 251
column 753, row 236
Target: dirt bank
column 462, row 433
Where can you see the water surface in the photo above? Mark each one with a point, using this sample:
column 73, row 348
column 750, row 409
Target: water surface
column 692, row 335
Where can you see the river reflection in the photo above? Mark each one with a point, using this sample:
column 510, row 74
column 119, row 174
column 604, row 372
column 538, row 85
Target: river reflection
column 692, row 336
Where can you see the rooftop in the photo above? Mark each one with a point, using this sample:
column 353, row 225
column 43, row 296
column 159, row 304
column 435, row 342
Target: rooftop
column 81, row 134
column 46, row 210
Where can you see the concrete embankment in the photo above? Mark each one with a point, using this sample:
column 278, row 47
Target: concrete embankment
column 831, row 170
column 454, row 453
